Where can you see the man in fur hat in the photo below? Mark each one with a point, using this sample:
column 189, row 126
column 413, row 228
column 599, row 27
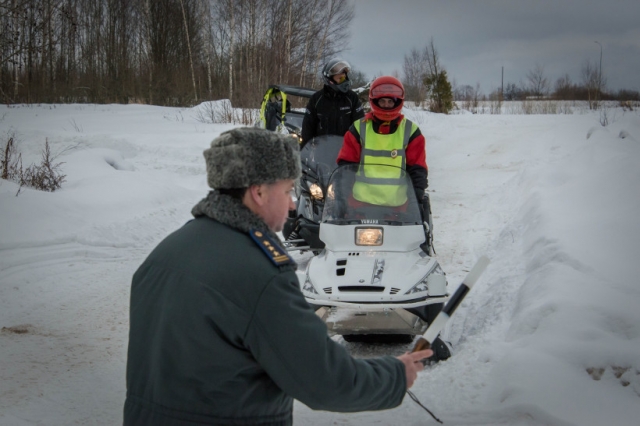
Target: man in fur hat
column 220, row 333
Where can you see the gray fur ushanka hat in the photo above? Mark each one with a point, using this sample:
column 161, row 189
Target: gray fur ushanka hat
column 249, row 156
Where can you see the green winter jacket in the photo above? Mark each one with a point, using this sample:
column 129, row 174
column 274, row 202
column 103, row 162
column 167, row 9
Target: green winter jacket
column 220, row 334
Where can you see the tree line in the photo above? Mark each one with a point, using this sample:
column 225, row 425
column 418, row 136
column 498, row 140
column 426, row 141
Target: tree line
column 425, row 79
column 164, row 52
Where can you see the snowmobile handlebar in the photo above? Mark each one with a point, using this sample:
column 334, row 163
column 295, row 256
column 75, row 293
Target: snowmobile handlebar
column 425, row 341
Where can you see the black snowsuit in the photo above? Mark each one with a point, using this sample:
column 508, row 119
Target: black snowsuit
column 330, row 112
column 220, row 333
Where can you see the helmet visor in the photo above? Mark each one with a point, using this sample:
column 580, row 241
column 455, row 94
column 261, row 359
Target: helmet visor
column 340, row 67
column 386, row 90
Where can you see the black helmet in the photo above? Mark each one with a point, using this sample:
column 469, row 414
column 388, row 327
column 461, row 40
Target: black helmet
column 333, row 67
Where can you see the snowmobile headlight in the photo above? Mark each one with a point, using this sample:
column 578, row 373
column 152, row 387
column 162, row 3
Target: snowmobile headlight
column 297, row 137
column 316, row 191
column 308, row 287
column 331, row 194
column 369, row 236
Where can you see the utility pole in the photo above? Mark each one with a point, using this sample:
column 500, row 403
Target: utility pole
column 599, row 73
column 502, row 86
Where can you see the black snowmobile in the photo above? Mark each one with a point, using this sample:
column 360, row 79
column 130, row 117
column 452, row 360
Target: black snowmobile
column 318, row 161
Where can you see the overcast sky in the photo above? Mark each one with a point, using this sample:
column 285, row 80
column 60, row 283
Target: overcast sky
column 476, row 38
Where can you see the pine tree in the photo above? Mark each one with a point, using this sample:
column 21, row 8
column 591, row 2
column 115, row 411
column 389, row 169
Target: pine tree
column 439, row 92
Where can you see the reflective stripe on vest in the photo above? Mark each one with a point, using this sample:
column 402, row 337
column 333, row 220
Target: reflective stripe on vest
column 375, row 183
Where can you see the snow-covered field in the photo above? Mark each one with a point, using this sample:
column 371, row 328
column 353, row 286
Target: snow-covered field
column 550, row 335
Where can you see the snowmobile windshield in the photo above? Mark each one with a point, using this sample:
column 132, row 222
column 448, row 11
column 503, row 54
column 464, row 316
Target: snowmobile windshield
column 318, row 158
column 371, row 194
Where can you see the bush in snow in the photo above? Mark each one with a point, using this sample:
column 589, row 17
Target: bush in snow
column 46, row 176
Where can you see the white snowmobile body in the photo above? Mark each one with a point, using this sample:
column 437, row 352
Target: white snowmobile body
column 372, row 267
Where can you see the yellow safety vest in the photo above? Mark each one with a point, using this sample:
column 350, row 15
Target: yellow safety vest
column 375, row 183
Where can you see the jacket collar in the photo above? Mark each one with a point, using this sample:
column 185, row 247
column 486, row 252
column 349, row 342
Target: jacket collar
column 231, row 212
column 329, row 92
column 383, row 127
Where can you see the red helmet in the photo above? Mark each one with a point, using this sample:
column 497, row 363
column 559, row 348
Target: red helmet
column 386, row 87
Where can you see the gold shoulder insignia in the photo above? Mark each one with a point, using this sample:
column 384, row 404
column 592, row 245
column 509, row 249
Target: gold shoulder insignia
column 271, row 248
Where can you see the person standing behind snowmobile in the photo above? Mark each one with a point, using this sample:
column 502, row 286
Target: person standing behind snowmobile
column 332, row 109
column 273, row 110
column 220, row 333
column 390, row 138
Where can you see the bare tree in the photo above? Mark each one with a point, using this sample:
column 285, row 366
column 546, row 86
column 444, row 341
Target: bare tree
column 436, row 81
column 277, row 41
column 593, row 81
column 564, row 88
column 166, row 52
column 538, row 82
column 433, row 59
column 415, row 69
column 336, row 23
column 331, row 11
column 232, row 31
column 309, row 33
column 186, row 33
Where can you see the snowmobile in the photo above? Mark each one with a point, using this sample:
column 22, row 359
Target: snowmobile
column 318, row 161
column 372, row 275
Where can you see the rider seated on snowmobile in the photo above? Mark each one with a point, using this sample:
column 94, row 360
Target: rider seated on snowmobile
column 384, row 136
